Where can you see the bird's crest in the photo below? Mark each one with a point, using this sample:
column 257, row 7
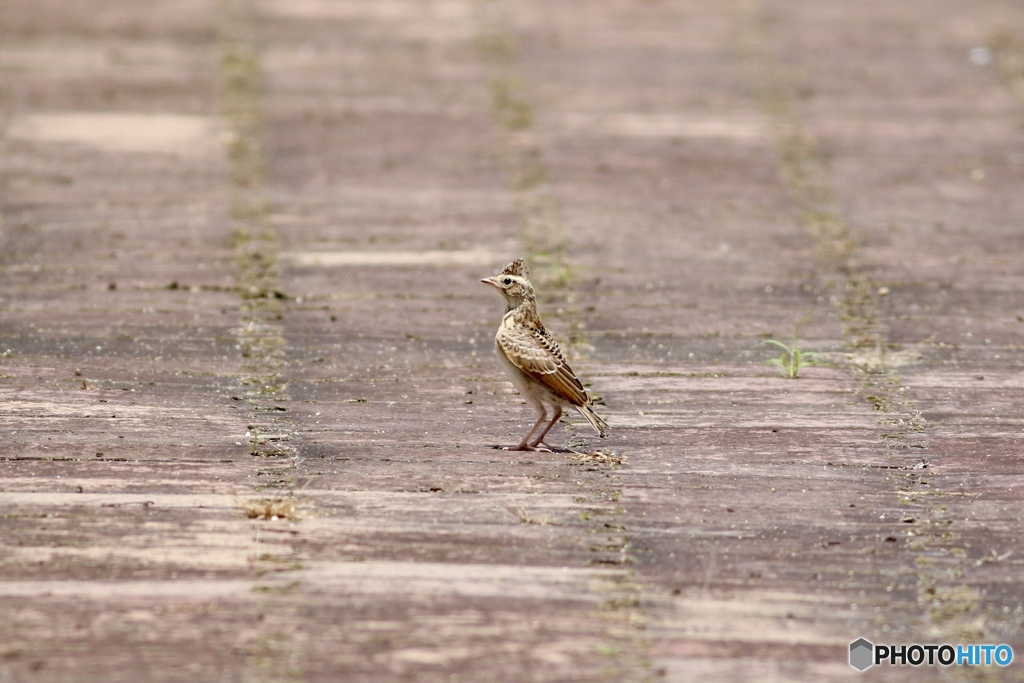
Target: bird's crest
column 517, row 267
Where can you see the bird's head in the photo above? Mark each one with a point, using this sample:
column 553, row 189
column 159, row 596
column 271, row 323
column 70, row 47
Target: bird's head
column 512, row 284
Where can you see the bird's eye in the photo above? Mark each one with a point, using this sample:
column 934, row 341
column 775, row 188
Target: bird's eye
column 507, row 281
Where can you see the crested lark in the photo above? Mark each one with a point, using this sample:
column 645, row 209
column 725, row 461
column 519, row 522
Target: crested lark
column 533, row 360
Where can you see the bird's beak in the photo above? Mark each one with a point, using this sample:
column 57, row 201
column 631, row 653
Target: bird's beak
column 490, row 281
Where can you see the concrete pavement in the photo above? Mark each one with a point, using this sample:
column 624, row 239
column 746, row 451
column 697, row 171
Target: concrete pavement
column 249, row 400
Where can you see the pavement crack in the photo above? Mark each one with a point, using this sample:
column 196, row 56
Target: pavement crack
column 543, row 229
column 952, row 610
column 260, row 336
column 625, row 647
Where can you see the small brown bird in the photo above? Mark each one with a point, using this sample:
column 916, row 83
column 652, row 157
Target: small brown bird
column 533, row 360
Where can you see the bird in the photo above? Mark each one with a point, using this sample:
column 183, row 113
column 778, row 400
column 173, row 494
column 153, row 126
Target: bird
column 534, row 361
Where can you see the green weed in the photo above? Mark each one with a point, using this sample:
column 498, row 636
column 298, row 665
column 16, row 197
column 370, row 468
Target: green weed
column 792, row 357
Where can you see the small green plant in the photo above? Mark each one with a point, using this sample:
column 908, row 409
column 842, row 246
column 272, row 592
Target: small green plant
column 254, row 440
column 792, row 357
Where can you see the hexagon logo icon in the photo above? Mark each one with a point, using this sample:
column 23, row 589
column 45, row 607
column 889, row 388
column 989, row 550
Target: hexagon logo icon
column 862, row 654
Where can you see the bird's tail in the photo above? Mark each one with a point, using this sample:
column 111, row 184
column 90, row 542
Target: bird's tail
column 594, row 419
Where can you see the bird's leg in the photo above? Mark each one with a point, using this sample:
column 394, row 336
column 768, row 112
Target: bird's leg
column 525, row 444
column 539, row 441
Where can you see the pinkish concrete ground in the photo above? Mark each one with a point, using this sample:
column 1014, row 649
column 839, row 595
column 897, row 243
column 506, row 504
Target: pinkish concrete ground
column 248, row 404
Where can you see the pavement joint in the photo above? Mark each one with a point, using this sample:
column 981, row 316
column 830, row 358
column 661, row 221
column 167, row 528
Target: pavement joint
column 257, row 247
column 626, row 647
column 1009, row 59
column 261, row 341
column 543, row 230
column 953, row 610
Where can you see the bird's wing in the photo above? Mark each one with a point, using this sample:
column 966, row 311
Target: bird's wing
column 535, row 353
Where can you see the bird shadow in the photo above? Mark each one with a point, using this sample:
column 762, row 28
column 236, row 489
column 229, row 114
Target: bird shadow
column 513, row 449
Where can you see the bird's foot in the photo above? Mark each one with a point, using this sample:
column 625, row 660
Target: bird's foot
column 537, row 448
